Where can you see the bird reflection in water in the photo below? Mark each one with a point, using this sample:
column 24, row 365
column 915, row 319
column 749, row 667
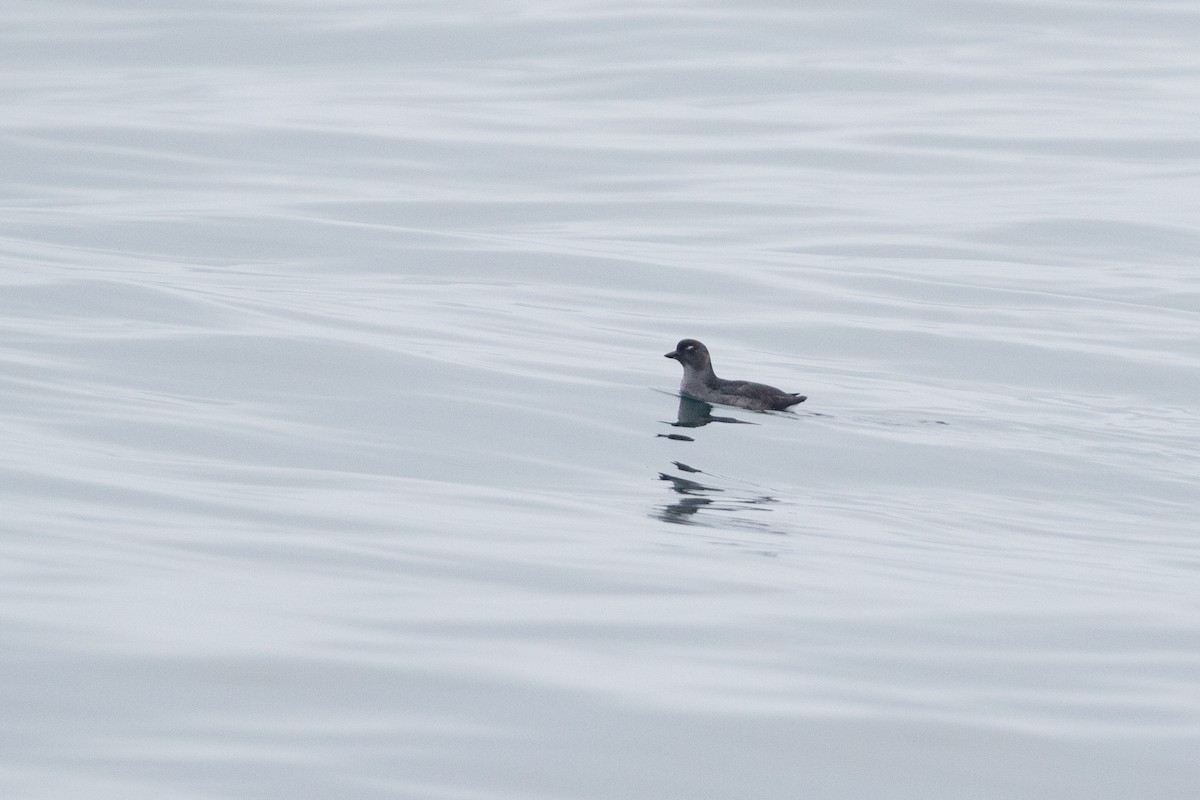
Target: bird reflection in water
column 697, row 414
column 695, row 495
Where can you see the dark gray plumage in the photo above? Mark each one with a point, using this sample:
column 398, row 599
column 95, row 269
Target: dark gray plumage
column 700, row 382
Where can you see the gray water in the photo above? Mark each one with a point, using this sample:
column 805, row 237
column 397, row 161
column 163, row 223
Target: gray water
column 335, row 422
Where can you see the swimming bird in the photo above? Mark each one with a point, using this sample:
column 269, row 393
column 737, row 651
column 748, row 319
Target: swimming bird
column 700, row 382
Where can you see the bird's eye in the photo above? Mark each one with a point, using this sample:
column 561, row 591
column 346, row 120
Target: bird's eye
column 690, row 347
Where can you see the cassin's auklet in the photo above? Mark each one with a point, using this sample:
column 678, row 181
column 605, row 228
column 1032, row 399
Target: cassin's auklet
column 700, row 382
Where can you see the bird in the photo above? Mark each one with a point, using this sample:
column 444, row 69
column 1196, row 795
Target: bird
column 700, row 382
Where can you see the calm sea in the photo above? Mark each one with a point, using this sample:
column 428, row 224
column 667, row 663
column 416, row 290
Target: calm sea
column 339, row 458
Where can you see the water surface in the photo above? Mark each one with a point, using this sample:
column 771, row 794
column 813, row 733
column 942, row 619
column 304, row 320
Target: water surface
column 337, row 455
